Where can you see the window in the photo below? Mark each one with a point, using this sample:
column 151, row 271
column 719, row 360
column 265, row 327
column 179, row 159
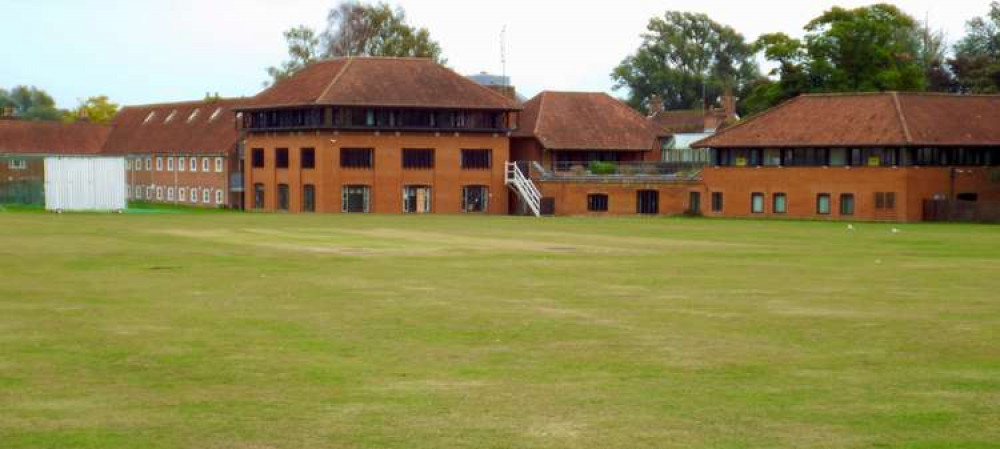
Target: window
column 885, row 200
column 149, row 192
column 149, row 117
column 206, row 164
column 182, row 194
column 823, row 204
column 219, row 164
column 968, row 196
column 356, row 158
column 475, row 198
column 757, row 203
column 194, row 195
column 281, row 158
column 215, row 114
column 170, row 117
column 206, row 195
column 219, row 197
column 170, row 193
column 717, row 202
column 194, row 115
column 416, row 199
column 193, row 163
column 258, row 196
column 647, row 202
column 308, row 158
column 779, row 203
column 149, row 163
column 257, row 157
column 283, row 197
column 418, row 158
column 354, row 199
column 170, row 164
column 17, row 164
column 597, row 202
column 476, row 159
column 694, row 203
column 181, row 163
column 846, row 204
column 159, row 193
column 159, row 164
column 308, row 198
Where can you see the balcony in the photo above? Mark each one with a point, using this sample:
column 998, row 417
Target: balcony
column 620, row 171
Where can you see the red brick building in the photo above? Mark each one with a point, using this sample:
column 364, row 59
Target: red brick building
column 181, row 153
column 880, row 156
column 382, row 135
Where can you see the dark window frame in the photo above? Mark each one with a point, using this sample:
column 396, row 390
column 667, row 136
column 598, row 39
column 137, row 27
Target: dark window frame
column 763, row 200
column 281, row 158
column 829, row 203
column 718, row 202
column 284, row 196
column 257, row 158
column 477, row 159
column 774, row 203
column 847, row 199
column 418, row 158
column 307, row 158
column 597, row 202
column 259, row 196
column 308, row 198
column 357, row 158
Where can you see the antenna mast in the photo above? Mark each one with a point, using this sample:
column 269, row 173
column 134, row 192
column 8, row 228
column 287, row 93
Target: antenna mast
column 503, row 55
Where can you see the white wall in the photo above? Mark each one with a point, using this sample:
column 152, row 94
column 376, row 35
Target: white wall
column 85, row 183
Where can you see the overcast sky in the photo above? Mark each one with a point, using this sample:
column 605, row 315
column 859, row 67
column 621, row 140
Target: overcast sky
column 139, row 51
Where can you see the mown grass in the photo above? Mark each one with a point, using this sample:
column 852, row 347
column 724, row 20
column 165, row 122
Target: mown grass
column 283, row 331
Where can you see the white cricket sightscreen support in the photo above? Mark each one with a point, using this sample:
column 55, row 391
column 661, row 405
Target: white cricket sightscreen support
column 523, row 187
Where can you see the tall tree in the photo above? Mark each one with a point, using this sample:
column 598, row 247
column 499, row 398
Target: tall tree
column 684, row 59
column 977, row 56
column 357, row 29
column 97, row 109
column 933, row 58
column 30, row 103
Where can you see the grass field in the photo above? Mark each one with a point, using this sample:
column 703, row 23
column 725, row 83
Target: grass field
column 230, row 330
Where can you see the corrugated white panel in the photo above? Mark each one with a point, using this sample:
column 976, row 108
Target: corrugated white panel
column 85, row 183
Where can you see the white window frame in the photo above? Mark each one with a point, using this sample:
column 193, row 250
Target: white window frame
column 206, row 165
column 219, row 164
column 159, row 193
column 194, row 194
column 194, row 164
column 170, row 193
column 181, row 163
column 149, row 164
column 206, row 196
column 218, row 196
column 17, row 164
column 181, row 194
column 170, row 163
column 159, row 163
column 149, row 192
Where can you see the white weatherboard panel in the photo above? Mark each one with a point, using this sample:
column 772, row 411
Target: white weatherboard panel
column 85, row 183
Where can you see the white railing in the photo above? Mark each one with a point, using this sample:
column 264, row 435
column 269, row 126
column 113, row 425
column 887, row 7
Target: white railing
column 525, row 189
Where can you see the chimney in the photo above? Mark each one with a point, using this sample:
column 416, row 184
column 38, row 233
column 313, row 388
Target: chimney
column 729, row 104
column 655, row 105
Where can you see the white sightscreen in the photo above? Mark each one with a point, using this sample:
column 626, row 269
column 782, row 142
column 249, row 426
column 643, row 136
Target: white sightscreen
column 85, row 183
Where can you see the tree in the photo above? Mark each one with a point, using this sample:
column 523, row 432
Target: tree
column 871, row 48
column 30, row 103
column 356, row 29
column 684, row 59
column 933, row 59
column 97, row 109
column 977, row 56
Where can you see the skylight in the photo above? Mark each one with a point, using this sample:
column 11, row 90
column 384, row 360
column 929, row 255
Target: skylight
column 215, row 114
column 170, row 117
column 149, row 117
column 194, row 115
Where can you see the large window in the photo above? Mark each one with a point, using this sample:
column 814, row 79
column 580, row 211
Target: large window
column 757, row 203
column 823, row 204
column 283, row 197
column 597, row 202
column 416, row 199
column 355, row 199
column 356, row 157
column 717, row 203
column 476, row 159
column 308, row 198
column 846, row 204
column 885, row 200
column 647, row 202
column 780, row 203
column 475, row 198
column 418, row 158
column 257, row 157
column 281, row 158
column 308, row 158
column 258, row 196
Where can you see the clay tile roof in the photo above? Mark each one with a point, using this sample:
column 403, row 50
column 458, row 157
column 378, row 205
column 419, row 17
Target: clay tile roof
column 865, row 120
column 34, row 137
column 393, row 82
column 673, row 122
column 585, row 121
column 145, row 129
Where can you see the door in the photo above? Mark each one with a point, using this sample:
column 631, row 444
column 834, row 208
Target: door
column 416, row 199
column 355, row 199
column 648, row 202
column 694, row 203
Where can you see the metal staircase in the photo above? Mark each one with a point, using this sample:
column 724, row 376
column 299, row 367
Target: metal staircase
column 523, row 187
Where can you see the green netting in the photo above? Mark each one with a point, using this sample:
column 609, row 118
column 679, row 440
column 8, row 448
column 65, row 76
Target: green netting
column 22, row 181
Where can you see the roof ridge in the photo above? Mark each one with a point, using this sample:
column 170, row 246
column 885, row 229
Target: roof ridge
column 333, row 81
column 902, row 118
column 512, row 102
column 747, row 120
column 182, row 103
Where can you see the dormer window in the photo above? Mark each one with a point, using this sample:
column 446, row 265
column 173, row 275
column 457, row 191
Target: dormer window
column 194, row 115
column 170, row 117
column 215, row 115
column 149, row 117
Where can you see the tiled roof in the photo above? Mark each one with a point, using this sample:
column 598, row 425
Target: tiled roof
column 35, row 137
column 865, row 120
column 393, row 82
column 686, row 121
column 585, row 121
column 175, row 127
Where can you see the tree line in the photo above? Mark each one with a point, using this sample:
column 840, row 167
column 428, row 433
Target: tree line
column 31, row 103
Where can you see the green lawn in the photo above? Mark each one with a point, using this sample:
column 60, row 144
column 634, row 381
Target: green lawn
column 227, row 330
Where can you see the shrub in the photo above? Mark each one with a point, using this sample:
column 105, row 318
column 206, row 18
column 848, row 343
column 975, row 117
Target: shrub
column 603, row 168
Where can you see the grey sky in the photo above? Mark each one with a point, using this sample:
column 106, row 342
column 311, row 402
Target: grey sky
column 139, row 51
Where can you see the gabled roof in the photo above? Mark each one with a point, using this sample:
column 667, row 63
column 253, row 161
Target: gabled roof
column 36, row 137
column 175, row 127
column 867, row 120
column 585, row 121
column 390, row 82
